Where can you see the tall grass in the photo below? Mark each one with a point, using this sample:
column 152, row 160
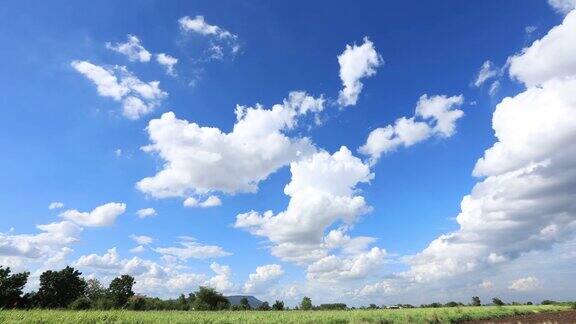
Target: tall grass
column 417, row 315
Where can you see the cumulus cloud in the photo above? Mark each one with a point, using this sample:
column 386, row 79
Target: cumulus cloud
column 138, row 98
column 199, row 160
column 357, row 266
column 264, row 277
column 220, row 36
column 525, row 284
column 146, row 212
column 211, row 201
column 356, row 63
column 47, row 247
column 132, row 48
column 104, row 215
column 55, row 205
column 322, row 192
column 563, row 6
column 525, row 202
column 189, row 248
column 549, row 57
column 487, row 72
column 434, row 116
column 138, row 249
column 167, row 62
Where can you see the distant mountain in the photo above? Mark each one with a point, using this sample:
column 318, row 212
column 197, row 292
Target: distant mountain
column 253, row 301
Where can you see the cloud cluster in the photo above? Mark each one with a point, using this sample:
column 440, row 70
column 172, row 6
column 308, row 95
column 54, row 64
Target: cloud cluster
column 525, row 203
column 104, row 215
column 525, row 284
column 563, row 6
column 132, row 48
column 146, row 212
column 261, row 280
column 168, row 62
column 356, row 63
column 138, row 98
column 200, row 160
column 434, row 116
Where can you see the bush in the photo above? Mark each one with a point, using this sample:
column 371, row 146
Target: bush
column 81, row 303
column 136, row 302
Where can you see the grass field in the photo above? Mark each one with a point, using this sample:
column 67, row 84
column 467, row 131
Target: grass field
column 417, row 315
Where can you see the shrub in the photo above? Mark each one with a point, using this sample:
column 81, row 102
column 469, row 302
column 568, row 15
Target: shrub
column 136, row 302
column 81, row 303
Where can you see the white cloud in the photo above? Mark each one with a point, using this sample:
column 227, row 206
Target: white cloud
column 132, row 48
column 547, row 58
column 167, row 62
column 138, row 249
column 438, row 114
column 104, row 215
column 146, row 212
column 55, row 205
column 563, row 6
column 322, row 191
column 487, row 72
column 118, row 152
column 46, row 248
column 357, row 266
column 192, row 249
column 525, row 203
column 199, row 160
column 494, row 87
column 138, row 98
column 142, row 239
column 264, row 277
column 525, row 284
column 211, row 201
column 219, row 35
column 356, row 63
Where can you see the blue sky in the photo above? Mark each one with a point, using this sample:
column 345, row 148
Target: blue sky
column 80, row 104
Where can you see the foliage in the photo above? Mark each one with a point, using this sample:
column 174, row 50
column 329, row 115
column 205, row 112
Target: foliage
column 497, row 301
column 476, row 301
column 340, row 306
column 58, row 289
column 136, row 302
column 209, row 299
column 11, row 286
column 306, row 303
column 278, row 305
column 94, row 289
column 120, row 290
column 264, row 306
column 81, row 303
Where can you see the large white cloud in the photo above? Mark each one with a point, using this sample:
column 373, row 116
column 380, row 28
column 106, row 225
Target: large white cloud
column 549, row 57
column 356, row 63
column 434, row 116
column 132, row 48
column 104, row 215
column 525, row 284
column 199, row 160
column 323, row 192
column 261, row 280
column 526, row 201
column 138, row 98
column 563, row 6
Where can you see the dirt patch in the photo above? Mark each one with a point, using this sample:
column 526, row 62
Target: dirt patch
column 568, row 317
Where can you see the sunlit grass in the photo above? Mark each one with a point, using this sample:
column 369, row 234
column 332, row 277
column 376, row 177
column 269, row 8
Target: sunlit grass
column 417, row 315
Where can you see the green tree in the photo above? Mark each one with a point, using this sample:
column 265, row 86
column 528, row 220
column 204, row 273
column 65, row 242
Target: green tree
column 11, row 286
column 244, row 304
column 209, row 299
column 306, row 303
column 136, row 302
column 497, row 301
column 476, row 301
column 81, row 304
column 120, row 290
column 58, row 289
column 278, row 305
column 264, row 306
column 94, row 289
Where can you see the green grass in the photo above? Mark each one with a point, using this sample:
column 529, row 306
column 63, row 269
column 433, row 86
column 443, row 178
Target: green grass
column 417, row 315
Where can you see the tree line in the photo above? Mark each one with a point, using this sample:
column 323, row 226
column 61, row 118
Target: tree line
column 68, row 289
